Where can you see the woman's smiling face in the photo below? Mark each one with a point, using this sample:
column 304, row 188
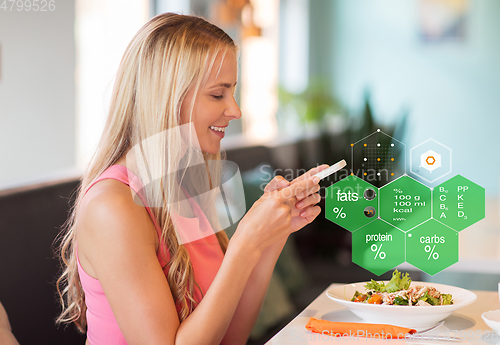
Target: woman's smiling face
column 214, row 105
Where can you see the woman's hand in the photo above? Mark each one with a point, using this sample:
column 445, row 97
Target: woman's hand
column 304, row 210
column 302, row 207
column 270, row 218
column 258, row 282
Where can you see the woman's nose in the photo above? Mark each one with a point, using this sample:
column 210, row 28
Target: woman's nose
column 232, row 109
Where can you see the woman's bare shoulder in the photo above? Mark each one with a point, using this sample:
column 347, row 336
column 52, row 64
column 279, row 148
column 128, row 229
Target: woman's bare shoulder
column 108, row 197
column 108, row 210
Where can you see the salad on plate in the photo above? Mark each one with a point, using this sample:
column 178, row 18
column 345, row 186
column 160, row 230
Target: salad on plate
column 398, row 292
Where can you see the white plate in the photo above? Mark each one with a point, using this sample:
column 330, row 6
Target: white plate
column 492, row 319
column 416, row 317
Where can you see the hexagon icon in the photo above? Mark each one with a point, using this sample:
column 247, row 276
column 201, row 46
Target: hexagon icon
column 351, row 203
column 405, row 203
column 378, row 158
column 432, row 247
column 458, row 203
column 430, row 160
column 378, row 247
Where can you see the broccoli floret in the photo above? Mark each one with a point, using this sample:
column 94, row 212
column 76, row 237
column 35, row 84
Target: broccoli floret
column 447, row 299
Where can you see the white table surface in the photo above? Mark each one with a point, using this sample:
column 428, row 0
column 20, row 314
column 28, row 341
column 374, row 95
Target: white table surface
column 467, row 319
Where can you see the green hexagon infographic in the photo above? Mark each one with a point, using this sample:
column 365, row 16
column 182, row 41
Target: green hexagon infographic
column 458, row 203
column 378, row 247
column 405, row 203
column 432, row 247
column 404, row 220
column 351, row 203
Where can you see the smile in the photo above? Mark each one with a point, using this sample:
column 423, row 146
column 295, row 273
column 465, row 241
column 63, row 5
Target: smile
column 218, row 129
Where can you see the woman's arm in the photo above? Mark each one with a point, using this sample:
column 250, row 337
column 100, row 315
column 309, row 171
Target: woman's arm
column 251, row 301
column 117, row 240
column 255, row 291
column 6, row 336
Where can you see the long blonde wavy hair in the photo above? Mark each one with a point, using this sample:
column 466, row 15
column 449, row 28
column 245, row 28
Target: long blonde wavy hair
column 166, row 58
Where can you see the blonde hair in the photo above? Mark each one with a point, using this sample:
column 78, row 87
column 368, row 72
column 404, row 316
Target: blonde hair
column 166, row 58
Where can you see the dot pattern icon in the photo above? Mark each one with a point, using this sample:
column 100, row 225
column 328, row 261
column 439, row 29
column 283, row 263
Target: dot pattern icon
column 377, row 158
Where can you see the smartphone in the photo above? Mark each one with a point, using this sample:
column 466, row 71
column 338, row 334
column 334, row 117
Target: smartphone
column 334, row 168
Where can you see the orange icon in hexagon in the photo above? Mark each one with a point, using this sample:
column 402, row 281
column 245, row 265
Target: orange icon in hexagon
column 430, row 160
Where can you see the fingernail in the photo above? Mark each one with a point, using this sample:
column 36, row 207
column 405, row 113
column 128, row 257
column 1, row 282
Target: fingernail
column 299, row 205
column 315, row 179
column 284, row 182
column 302, row 214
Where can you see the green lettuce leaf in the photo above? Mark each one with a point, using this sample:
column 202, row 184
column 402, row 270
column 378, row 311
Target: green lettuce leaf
column 373, row 285
column 398, row 282
column 429, row 299
column 400, row 301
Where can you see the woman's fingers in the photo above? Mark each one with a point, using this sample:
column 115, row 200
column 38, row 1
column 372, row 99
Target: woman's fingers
column 302, row 188
column 310, row 200
column 307, row 192
column 310, row 213
column 311, row 172
column 277, row 183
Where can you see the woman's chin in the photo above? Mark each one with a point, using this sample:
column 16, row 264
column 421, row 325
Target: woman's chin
column 212, row 149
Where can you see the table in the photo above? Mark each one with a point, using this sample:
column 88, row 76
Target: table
column 467, row 319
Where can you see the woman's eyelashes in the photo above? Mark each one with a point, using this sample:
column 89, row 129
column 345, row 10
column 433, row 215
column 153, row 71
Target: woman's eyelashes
column 217, row 97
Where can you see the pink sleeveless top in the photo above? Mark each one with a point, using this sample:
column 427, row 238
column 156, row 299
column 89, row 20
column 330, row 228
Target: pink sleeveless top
column 205, row 254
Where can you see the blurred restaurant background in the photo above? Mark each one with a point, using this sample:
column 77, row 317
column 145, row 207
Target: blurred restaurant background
column 314, row 76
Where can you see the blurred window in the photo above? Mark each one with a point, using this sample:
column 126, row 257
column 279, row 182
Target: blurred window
column 103, row 30
column 294, row 45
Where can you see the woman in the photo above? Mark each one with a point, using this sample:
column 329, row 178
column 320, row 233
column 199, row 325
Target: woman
column 130, row 274
column 6, row 336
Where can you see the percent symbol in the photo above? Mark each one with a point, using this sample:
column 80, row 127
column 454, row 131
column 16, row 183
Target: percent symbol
column 376, row 248
column 397, row 190
column 339, row 212
column 435, row 255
